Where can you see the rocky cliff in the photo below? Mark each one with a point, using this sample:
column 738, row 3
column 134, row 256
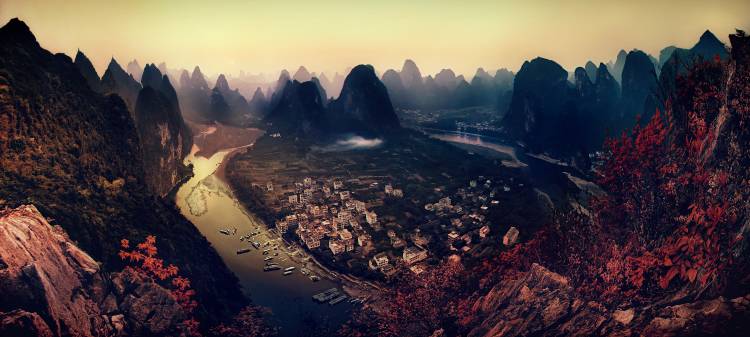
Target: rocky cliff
column 165, row 138
column 50, row 287
column 542, row 303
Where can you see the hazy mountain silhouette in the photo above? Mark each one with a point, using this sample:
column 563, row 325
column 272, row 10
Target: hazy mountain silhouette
column 539, row 113
column 239, row 110
column 302, row 75
column 363, row 105
column 639, row 86
column 709, row 46
column 195, row 96
column 116, row 81
column 258, row 103
column 135, row 70
column 590, row 69
column 87, row 70
column 299, row 110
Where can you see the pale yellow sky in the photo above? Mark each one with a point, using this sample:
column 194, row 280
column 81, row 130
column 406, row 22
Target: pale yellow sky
column 265, row 36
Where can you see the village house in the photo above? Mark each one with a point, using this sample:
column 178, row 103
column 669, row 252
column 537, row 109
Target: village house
column 336, row 247
column 378, row 261
column 413, row 255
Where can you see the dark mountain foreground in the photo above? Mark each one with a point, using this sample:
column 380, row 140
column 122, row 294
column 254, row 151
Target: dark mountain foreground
column 76, row 156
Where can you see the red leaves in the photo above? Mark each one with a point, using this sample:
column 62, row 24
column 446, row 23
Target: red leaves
column 146, row 264
column 660, row 191
column 247, row 323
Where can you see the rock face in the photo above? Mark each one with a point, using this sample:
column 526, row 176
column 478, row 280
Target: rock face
column 363, row 105
column 165, row 139
column 50, row 287
column 117, row 81
column 87, row 71
column 63, row 145
column 542, row 303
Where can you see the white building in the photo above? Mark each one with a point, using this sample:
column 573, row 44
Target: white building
column 413, row 255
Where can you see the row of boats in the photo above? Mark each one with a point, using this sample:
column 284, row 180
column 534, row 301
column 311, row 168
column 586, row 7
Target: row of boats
column 269, row 266
column 333, row 296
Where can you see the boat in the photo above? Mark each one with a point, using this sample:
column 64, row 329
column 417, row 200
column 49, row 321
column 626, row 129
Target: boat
column 271, row 267
column 314, row 278
column 287, row 272
column 242, row 251
column 337, row 300
column 326, row 295
column 290, row 269
column 224, row 231
column 268, row 258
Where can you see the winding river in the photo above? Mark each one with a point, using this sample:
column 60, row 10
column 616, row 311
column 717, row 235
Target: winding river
column 208, row 202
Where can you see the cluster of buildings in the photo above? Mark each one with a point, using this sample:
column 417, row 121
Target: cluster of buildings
column 337, row 216
column 326, row 214
column 463, row 215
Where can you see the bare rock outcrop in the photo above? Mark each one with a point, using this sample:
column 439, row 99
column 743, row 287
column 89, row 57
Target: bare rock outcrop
column 542, row 303
column 50, row 287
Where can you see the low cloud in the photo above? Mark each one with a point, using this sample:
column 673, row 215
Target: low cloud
column 353, row 143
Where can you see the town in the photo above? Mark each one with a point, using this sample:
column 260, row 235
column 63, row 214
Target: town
column 349, row 221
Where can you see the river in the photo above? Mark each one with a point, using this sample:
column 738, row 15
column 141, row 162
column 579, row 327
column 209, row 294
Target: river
column 557, row 180
column 208, row 202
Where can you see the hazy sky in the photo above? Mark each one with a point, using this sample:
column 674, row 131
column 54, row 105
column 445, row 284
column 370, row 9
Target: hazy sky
column 267, row 35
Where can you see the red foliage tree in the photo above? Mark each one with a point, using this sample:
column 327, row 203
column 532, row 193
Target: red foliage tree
column 247, row 323
column 146, row 265
column 417, row 306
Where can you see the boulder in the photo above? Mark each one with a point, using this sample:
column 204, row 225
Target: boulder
column 511, row 237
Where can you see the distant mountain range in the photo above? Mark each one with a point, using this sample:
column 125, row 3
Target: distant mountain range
column 409, row 90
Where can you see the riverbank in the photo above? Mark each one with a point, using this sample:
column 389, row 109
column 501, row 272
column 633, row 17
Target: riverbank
column 212, row 138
